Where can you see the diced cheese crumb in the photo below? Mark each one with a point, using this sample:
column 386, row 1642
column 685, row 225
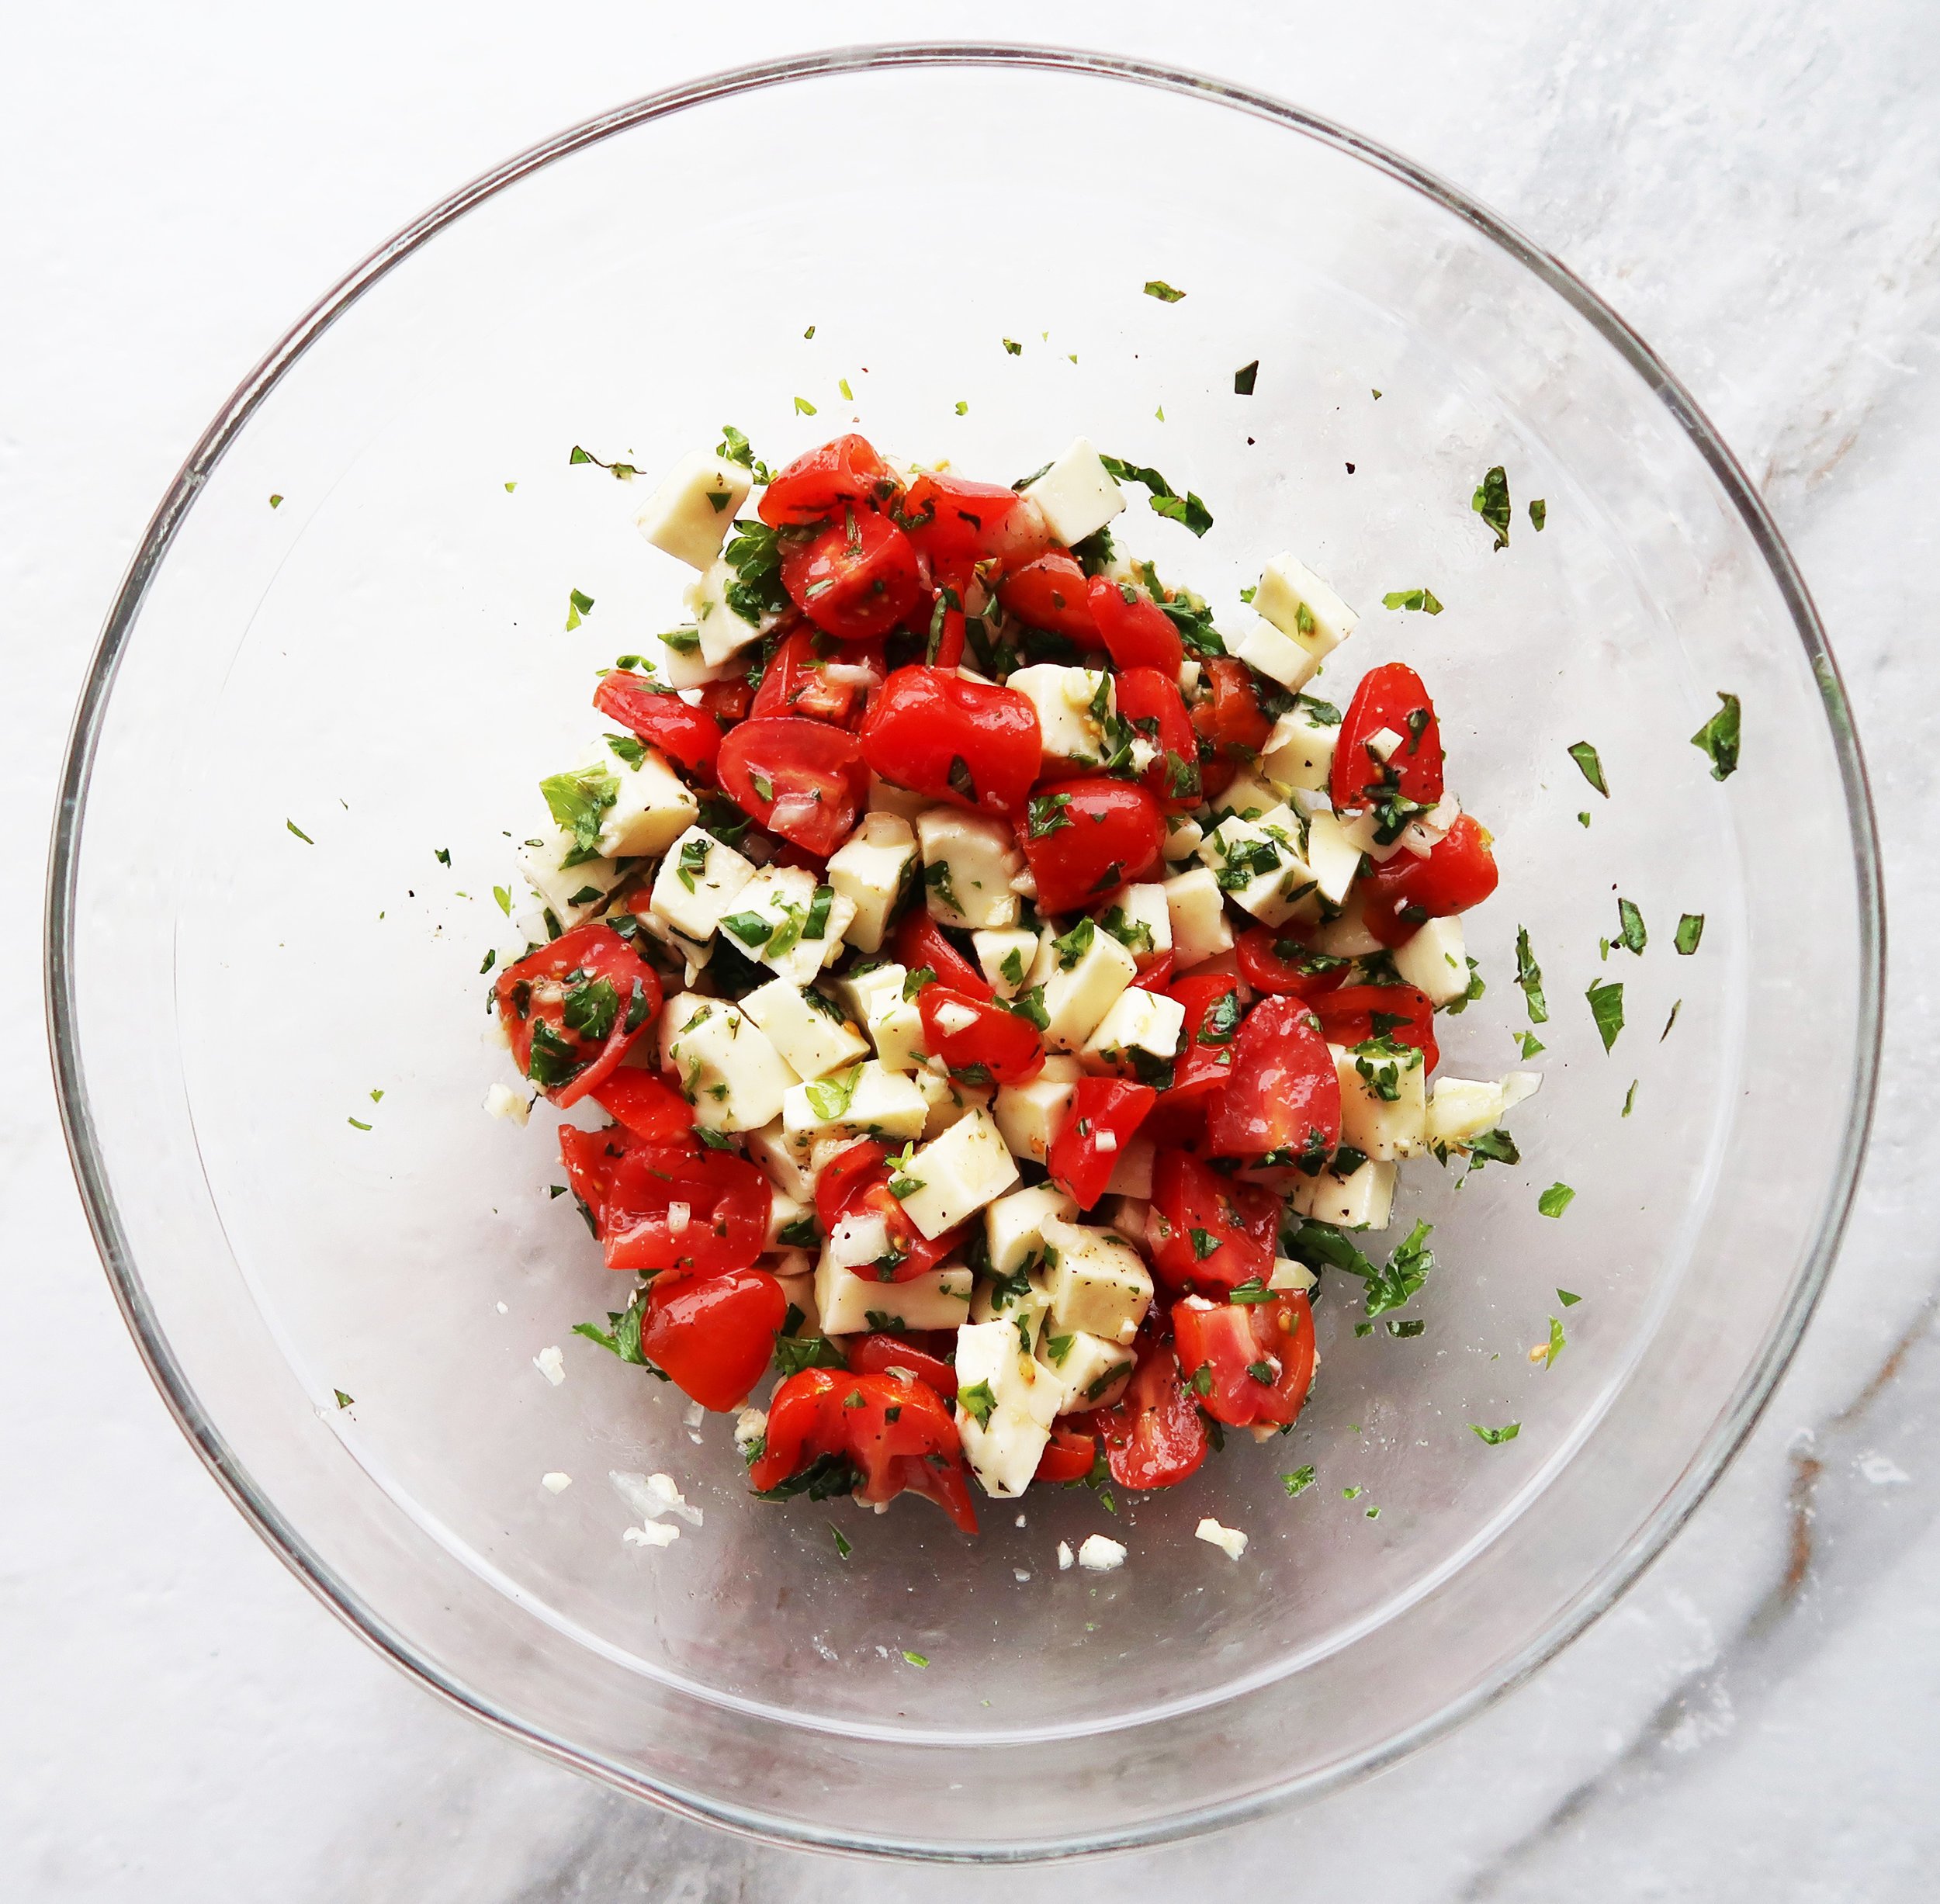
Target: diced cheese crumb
column 1101, row 1556
column 555, row 1482
column 749, row 1425
column 502, row 1101
column 551, row 1364
column 1229, row 1540
column 654, row 1496
column 1064, row 1556
column 655, row 1534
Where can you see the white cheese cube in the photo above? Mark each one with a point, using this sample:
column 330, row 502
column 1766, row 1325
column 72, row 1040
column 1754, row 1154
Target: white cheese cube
column 1076, row 494
column 1302, row 607
column 1380, row 1127
column 868, row 1101
column 689, row 514
column 1334, row 860
column 1083, row 975
column 1460, row 1109
column 785, row 1211
column 1014, row 1225
column 675, row 659
column 652, row 806
column 1139, row 918
column 968, row 862
column 782, row 1157
column 1280, row 657
column 871, row 869
column 568, row 892
column 723, row 630
column 1027, row 1312
column 960, row 1171
column 698, row 882
column 1363, row 1201
column 1435, row 960
column 950, row 1103
column 1072, row 705
column 1261, row 865
column 1006, row 956
column 886, row 797
column 1361, row 827
column 808, row 1029
column 899, row 1037
column 1138, row 1034
column 1300, row 750
column 1252, row 796
column 1099, row 1555
column 1093, row 1372
column 1197, row 908
column 866, row 994
column 849, row 1303
column 1031, row 1115
column 1183, row 835
column 1005, row 1403
column 1289, row 1274
column 1097, row 1282
column 775, row 922
column 1131, row 1174
column 728, row 1071
column 1346, row 937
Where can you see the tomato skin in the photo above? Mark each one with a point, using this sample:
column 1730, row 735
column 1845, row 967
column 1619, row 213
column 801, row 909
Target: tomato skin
column 845, row 471
column 796, row 682
column 714, row 1336
column 856, row 1182
column 1230, row 1340
column 845, row 1178
column 1230, row 719
column 1242, row 1220
column 1005, row 1046
column 1153, row 1435
column 1390, row 696
column 815, row 773
column 1404, row 893
column 926, row 721
column 727, row 701
column 649, row 1107
column 1052, row 592
column 1347, row 1017
column 1156, row 975
column 688, row 735
column 1151, row 702
column 920, row 941
column 1296, row 973
column 958, row 523
column 856, row 579
column 1098, row 1105
column 1136, row 632
column 534, row 992
column 1069, row 1455
column 883, row 1353
column 728, row 1202
column 1204, row 1065
column 1115, row 836
column 1284, row 1094
column 589, row 1159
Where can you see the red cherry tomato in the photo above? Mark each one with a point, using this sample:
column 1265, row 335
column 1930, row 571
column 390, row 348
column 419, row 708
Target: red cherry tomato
column 1208, row 1231
column 1270, row 961
column 1105, row 1113
column 845, row 472
column 856, row 1182
column 1348, row 1017
column 727, row 701
column 1404, row 893
column 1153, row 1435
column 797, row 680
column 1155, row 970
column 1136, row 632
column 1251, row 1364
column 1069, row 1455
column 1230, row 719
column 882, row 1354
column 800, row 779
column 1285, row 1094
column 1053, row 593
column 858, row 578
column 713, row 1335
column 1390, row 696
column 589, row 1159
column 572, row 1009
column 1213, row 1007
column 1151, row 702
column 877, row 1433
column 958, row 523
column 920, row 941
column 979, row 1041
column 677, row 1206
column 690, row 736
column 972, row 743
column 648, row 1107
column 1100, row 834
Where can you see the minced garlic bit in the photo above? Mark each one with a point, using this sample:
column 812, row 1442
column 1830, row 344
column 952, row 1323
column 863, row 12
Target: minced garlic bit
column 651, row 1496
column 551, row 1364
column 502, row 1101
column 555, row 1482
column 1100, row 1556
column 749, row 1425
column 1065, row 1556
column 655, row 1534
column 1229, row 1540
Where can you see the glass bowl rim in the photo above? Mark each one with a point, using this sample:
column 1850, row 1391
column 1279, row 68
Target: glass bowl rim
column 1707, row 1462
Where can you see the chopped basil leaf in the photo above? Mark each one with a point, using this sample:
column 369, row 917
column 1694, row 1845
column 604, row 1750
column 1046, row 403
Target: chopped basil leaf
column 803, row 407
column 819, row 908
column 1538, row 513
column 1493, row 1147
column 1011, row 966
column 1048, row 814
column 915, row 1658
column 1158, row 288
column 1491, row 502
column 1262, row 1372
column 1558, row 1341
column 1298, row 1482
column 750, row 928
column 977, row 1402
column 579, row 605
column 693, row 861
column 628, row 747
column 590, row 1009
column 357, row 1124
column 1718, row 737
column 914, row 981
column 1669, row 1022
column 1567, row 1298
column 1244, row 378
column 1421, row 598
column 552, row 1061
column 829, row 1097
column 1557, row 1199
column 578, row 801
column 1629, row 1098
column 1529, row 975
column 822, row 1479
column 843, row 1550
column 1496, row 1436
column 1606, row 1007
column 936, row 879
column 1203, row 1244
column 1531, row 1043
column 303, row 836
column 1252, row 1290
column 1014, row 347
column 1690, row 929
column 1164, row 500
column 1587, row 758
column 1073, row 945
column 794, row 1353
column 1029, row 1004
column 1406, row 1270
column 1631, row 935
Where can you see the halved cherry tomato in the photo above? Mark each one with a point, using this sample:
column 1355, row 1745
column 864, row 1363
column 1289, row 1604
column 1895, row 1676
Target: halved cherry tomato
column 1069, row 1455
column 797, row 680
column 1348, row 1017
column 844, row 1179
column 714, row 1336
column 920, row 941
column 800, row 779
column 876, row 1433
column 690, row 736
column 589, row 1159
column 1085, row 837
column 572, row 1009
column 677, row 1206
column 883, row 1353
column 1208, row 1231
column 1212, row 1008
column 858, row 578
column 648, row 1107
column 1284, row 1094
column 1251, row 1364
column 1051, row 593
column 979, row 1041
column 1153, row 1435
column 856, row 1182
column 820, row 482
column 1391, row 697
column 1273, row 960
column 972, row 743
column 1155, row 970
column 957, row 524
column 1151, row 702
column 1105, row 1113
column 727, row 701
column 1230, row 719
column 1136, row 632
column 1404, row 893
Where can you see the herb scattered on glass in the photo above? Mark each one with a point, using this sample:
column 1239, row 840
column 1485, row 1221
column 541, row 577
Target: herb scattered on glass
column 1718, row 737
column 1494, row 1437
column 1158, row 288
column 1606, row 1007
column 299, row 831
column 1587, row 758
column 1244, row 378
column 1491, row 502
column 1690, row 930
column 1421, row 598
column 1557, row 1199
column 579, row 605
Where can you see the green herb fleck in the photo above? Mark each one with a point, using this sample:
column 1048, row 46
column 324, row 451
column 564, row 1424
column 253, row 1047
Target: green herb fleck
column 843, row 1550
column 299, row 831
column 1567, row 1298
column 343, row 1400
column 1538, row 513
column 1244, row 378
column 1586, row 757
column 1421, row 598
column 1529, row 975
column 579, row 605
column 803, row 407
column 1494, row 1437
column 1557, row 1199
column 505, row 899
column 275, row 502
column 1629, row 1098
column 1606, row 1007
column 1690, row 929
column 1669, row 1022
column 1718, row 737
column 1158, row 288
column 356, row 1124
column 1558, row 1341
column 1630, row 934
column 915, row 1658
column 1298, row 1482
column 1014, row 347
column 1491, row 502
column 977, row 1402
column 1164, row 500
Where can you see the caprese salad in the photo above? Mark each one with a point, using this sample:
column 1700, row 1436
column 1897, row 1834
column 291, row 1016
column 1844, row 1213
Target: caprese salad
column 1002, row 985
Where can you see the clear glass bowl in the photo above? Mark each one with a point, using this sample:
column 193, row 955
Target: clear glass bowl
column 383, row 661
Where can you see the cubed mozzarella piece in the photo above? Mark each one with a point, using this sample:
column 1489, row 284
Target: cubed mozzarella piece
column 1006, row 955
column 1346, row 937
column 1362, row 829
column 1077, row 995
column 960, row 1172
column 1014, row 1225
column 1093, row 1372
column 938, row 1299
column 1097, row 1282
column 1291, row 1275
column 808, row 1029
column 1183, row 835
column 1072, row 705
column 796, row 944
column 723, row 630
column 1131, row 1174
column 1333, row 859
column 867, row 994
column 1363, row 1201
column 569, row 893
column 1423, row 834
column 1017, row 1401
column 1127, row 1215
column 1139, row 1033
column 1460, row 1109
column 1435, row 959
column 689, row 514
column 783, row 1212
column 699, row 882
column 1252, row 796
column 1261, row 865
column 1139, row 918
column 799, row 1290
column 675, row 660
column 1031, row 1115
column 871, row 869
column 1229, row 1540
column 886, row 797
column 1300, row 751
column 968, row 862
column 869, row 1101
column 899, row 1037
column 1280, row 657
column 1027, row 1311
column 782, row 1156
column 1302, row 607
column 1076, row 494
column 950, row 1101
column 652, row 806
column 1196, row 907
column 730, row 1073
column 1380, row 1127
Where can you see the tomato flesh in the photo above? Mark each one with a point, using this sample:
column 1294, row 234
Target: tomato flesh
column 980, row 1042
column 797, row 680
column 1105, row 1115
column 957, row 524
column 1209, row 1232
column 1136, row 632
column 878, row 1353
column 659, row 717
column 573, row 1008
column 713, row 1336
column 1348, row 1016
column 648, row 1107
column 1069, row 1455
column 1284, row 1095
column 1230, row 719
column 1085, row 837
column 845, row 474
column 800, row 779
column 1389, row 699
column 857, row 579
column 972, row 743
column 1052, row 592
column 1152, row 1434
column 1251, row 1364
column 855, row 1183
column 920, row 942
column 678, row 1206
column 1404, row 892
column 1273, row 960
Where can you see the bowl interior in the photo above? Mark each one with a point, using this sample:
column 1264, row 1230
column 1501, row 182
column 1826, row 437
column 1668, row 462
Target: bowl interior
column 382, row 660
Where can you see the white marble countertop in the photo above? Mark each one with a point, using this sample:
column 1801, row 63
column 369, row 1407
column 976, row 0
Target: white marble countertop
column 1755, row 184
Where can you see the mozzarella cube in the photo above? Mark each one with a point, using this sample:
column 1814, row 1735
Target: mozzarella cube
column 1346, row 937
column 1197, row 910
column 1006, row 956
column 959, row 1172
column 730, row 1073
column 1139, row 1034
column 1291, row 1275
column 569, row 893
column 1099, row 1555
column 775, row 921
column 1334, row 860
column 1131, row 1174
column 1435, row 960
column 1139, row 918
column 689, row 514
column 1183, row 835
column 675, row 659
column 969, row 863
column 1005, row 1403
column 652, row 806
column 1280, row 657
column 1097, row 1282
column 1300, row 751
column 1076, row 494
column 1363, row 1201
column 1083, row 974
column 1031, row 1115
column 867, row 1102
column 1252, row 796
column 1362, row 827
column 1460, row 1109
column 1027, row 1312
column 866, row 994
column 782, row 1156
column 871, row 870
column 784, row 1213
column 1072, row 705
column 886, row 797
column 849, row 1303
column 1014, row 1225
column 698, row 882
column 1302, row 607
column 1262, row 864
column 1229, row 1540
column 899, row 1037
column 724, row 631
column 1381, row 1127
column 1092, row 1371
column 950, row 1103
column 808, row 1030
